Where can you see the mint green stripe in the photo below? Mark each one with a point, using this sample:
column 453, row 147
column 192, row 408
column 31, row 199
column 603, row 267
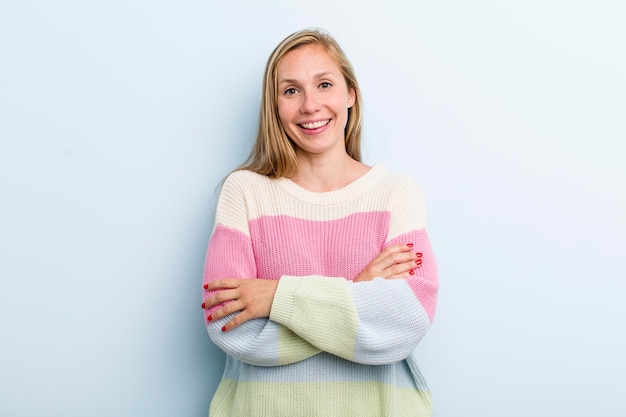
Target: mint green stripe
column 340, row 399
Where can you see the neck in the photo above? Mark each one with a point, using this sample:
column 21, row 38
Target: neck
column 328, row 174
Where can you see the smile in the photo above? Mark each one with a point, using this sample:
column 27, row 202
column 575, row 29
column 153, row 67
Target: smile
column 315, row 125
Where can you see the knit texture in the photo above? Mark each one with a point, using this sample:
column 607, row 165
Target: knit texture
column 331, row 347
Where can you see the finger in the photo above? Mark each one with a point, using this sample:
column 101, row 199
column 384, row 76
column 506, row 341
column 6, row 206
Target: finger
column 413, row 265
column 398, row 258
column 220, row 297
column 220, row 284
column 226, row 310
column 404, row 275
column 386, row 257
column 399, row 269
column 238, row 320
column 403, row 270
column 390, row 250
column 399, row 248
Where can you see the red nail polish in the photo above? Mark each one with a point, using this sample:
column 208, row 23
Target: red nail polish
column 209, row 317
column 206, row 286
column 412, row 272
column 418, row 254
column 203, row 305
column 418, row 262
column 410, row 245
column 224, row 328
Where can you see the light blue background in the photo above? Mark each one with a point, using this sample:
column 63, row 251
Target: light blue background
column 119, row 118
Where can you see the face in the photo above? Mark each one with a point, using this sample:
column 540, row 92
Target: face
column 313, row 101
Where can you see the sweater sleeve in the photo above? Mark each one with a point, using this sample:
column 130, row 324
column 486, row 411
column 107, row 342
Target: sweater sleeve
column 373, row 322
column 258, row 342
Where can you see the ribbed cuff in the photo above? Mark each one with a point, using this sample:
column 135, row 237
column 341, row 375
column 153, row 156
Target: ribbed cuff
column 284, row 299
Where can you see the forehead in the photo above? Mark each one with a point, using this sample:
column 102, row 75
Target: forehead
column 305, row 62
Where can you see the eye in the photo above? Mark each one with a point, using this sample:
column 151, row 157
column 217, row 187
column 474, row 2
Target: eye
column 325, row 85
column 290, row 91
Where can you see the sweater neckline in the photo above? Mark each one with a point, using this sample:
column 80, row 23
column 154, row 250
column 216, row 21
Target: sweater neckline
column 348, row 192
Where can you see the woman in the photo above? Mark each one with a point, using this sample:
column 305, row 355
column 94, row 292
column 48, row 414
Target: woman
column 319, row 279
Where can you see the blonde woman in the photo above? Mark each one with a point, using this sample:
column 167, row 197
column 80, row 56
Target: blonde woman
column 319, row 280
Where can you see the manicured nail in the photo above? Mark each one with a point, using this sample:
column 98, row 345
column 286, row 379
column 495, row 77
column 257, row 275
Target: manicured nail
column 203, row 305
column 418, row 254
column 209, row 317
column 410, row 245
column 412, row 272
column 206, row 286
column 224, row 328
column 418, row 262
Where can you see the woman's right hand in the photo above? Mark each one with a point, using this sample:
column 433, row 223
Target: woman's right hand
column 398, row 261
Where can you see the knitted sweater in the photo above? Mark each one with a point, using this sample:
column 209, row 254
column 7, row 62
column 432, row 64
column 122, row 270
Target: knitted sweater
column 331, row 347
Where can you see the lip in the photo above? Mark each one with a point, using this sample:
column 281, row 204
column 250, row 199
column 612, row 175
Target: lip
column 319, row 125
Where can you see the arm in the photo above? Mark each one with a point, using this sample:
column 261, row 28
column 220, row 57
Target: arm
column 374, row 322
column 230, row 255
column 241, row 300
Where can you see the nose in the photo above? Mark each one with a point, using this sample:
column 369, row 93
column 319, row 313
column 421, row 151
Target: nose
column 310, row 103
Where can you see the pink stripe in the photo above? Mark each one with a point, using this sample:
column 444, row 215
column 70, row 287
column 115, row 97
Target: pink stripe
column 285, row 245
column 229, row 255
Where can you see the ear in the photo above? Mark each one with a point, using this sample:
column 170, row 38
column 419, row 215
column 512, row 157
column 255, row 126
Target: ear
column 351, row 97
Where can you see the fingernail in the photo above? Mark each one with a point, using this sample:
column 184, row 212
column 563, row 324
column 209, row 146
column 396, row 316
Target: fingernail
column 203, row 305
column 224, row 328
column 209, row 317
column 206, row 286
column 418, row 262
column 418, row 254
column 410, row 245
column 412, row 272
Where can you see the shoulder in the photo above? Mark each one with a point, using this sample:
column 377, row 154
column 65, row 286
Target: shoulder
column 398, row 183
column 239, row 198
column 406, row 202
column 244, row 182
column 243, row 178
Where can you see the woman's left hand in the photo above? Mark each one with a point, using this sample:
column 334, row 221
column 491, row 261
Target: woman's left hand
column 251, row 297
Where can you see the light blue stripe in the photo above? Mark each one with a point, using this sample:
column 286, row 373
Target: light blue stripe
column 323, row 367
column 255, row 341
column 392, row 321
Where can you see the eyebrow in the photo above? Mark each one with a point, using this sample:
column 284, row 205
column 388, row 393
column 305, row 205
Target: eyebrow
column 316, row 76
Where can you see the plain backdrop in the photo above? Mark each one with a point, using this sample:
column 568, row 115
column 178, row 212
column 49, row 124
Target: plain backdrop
column 118, row 119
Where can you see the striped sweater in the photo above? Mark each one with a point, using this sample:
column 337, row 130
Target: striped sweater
column 331, row 347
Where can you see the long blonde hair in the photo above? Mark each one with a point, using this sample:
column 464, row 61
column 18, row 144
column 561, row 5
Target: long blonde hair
column 273, row 153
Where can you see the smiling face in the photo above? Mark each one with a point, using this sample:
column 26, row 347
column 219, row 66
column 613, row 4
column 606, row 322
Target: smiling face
column 313, row 101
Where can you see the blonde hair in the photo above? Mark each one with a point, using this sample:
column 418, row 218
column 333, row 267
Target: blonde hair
column 273, row 154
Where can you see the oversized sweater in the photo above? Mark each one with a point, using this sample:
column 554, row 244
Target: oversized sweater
column 331, row 347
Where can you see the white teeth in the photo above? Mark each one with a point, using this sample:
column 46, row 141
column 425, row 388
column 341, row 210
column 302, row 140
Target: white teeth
column 315, row 125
